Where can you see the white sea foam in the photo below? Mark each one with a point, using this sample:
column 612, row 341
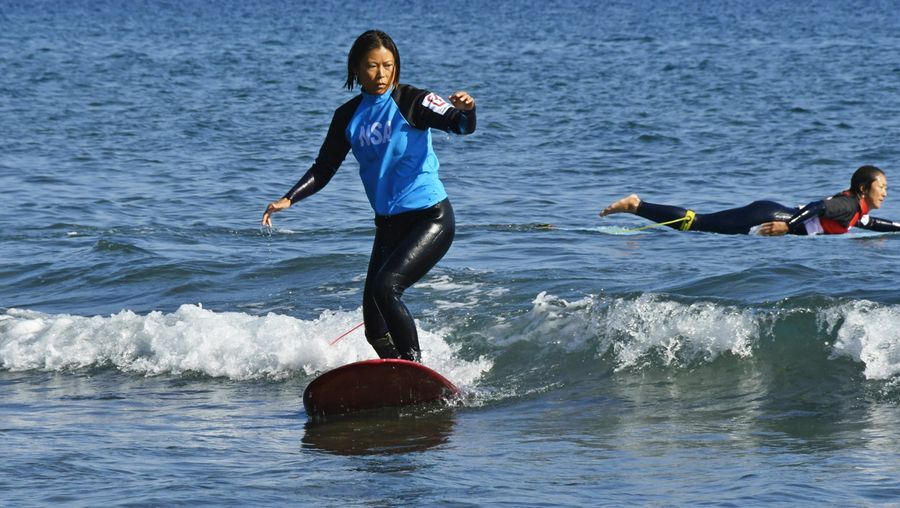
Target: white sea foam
column 459, row 295
column 635, row 328
column 221, row 344
column 866, row 332
column 446, row 283
column 677, row 332
column 567, row 323
column 655, row 328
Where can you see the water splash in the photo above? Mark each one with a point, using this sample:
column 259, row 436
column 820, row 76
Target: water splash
column 678, row 333
column 657, row 331
column 233, row 345
column 866, row 332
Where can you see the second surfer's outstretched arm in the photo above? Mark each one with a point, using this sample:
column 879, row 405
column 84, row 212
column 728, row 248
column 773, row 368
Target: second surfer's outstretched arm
column 878, row 224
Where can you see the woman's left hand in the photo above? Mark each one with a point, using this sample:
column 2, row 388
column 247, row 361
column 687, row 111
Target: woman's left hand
column 776, row 228
column 462, row 100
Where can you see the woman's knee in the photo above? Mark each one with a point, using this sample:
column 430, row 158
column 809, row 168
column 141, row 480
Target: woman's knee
column 388, row 287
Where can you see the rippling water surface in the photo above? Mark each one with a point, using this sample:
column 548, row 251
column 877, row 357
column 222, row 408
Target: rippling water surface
column 154, row 341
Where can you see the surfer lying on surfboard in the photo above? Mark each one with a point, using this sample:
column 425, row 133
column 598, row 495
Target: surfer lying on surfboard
column 388, row 127
column 834, row 215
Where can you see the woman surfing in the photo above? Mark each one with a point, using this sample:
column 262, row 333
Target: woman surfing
column 388, row 128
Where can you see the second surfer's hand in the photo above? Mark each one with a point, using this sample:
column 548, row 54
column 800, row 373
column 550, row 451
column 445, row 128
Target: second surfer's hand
column 776, row 228
column 462, row 100
column 275, row 206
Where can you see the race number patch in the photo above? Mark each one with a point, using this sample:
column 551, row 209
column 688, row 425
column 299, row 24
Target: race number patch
column 435, row 103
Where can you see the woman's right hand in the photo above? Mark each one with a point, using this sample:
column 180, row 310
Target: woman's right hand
column 776, row 228
column 275, row 206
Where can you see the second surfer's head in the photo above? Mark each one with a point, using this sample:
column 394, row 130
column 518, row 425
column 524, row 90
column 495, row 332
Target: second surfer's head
column 869, row 183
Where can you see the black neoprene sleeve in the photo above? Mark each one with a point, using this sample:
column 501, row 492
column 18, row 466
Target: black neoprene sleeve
column 880, row 225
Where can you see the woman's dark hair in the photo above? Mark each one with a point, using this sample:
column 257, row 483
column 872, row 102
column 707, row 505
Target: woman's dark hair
column 373, row 39
column 863, row 177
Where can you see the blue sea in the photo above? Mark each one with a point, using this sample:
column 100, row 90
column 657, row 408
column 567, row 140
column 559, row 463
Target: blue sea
column 155, row 340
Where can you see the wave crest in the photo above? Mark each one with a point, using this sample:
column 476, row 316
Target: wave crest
column 655, row 330
column 678, row 333
column 193, row 339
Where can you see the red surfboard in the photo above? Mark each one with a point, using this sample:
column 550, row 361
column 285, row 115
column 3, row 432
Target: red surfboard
column 373, row 384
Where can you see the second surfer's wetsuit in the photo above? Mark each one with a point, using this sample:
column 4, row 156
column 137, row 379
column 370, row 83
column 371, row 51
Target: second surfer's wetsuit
column 414, row 224
column 834, row 215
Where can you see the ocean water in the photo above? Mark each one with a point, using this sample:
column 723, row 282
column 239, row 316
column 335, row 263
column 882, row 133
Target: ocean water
column 155, row 341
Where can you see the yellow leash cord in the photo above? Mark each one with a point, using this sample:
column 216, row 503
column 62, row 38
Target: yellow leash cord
column 687, row 221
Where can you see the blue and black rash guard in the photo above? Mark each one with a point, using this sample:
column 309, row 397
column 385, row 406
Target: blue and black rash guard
column 391, row 139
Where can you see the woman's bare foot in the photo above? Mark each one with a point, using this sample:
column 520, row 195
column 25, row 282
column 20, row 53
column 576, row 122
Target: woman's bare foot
column 628, row 204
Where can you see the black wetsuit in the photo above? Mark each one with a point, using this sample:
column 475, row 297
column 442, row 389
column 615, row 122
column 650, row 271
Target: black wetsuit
column 840, row 208
column 406, row 247
column 391, row 139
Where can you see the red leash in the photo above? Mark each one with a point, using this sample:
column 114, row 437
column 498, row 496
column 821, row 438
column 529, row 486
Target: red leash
column 348, row 332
